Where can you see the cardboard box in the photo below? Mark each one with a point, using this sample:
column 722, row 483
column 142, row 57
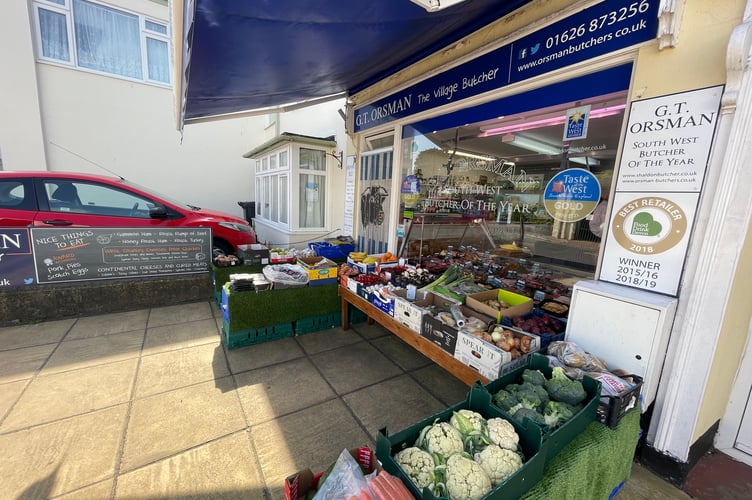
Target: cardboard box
column 361, row 267
column 486, row 358
column 408, row 312
column 384, row 304
column 304, row 481
column 254, row 254
column 519, row 304
column 318, row 268
column 443, row 335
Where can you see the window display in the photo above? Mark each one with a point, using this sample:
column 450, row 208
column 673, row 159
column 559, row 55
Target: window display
column 505, row 170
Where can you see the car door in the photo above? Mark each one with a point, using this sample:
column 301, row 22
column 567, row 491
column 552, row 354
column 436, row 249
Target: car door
column 71, row 202
column 18, row 203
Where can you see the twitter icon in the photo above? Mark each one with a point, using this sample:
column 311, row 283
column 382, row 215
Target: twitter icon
column 28, row 281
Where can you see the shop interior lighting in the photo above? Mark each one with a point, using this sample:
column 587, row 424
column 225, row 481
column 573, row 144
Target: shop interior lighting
column 471, row 155
column 543, row 148
column 436, row 5
column 547, row 122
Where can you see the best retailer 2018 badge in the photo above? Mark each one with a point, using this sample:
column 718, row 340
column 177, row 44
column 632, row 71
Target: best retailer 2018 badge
column 649, row 225
column 571, row 195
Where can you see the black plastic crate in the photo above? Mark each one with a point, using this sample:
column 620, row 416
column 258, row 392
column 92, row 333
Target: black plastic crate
column 613, row 408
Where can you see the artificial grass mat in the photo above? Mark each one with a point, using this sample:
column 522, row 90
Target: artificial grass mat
column 593, row 464
column 251, row 310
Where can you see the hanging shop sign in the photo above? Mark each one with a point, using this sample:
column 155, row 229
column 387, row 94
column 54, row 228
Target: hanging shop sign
column 601, row 29
column 87, row 253
column 349, row 209
column 16, row 260
column 662, row 168
column 571, row 195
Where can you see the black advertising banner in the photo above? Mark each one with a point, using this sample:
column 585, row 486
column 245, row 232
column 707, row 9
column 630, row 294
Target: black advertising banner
column 86, row 253
column 16, row 261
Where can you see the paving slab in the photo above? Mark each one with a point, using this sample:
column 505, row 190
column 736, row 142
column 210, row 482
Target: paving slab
column 370, row 331
column 354, row 366
column 221, row 469
column 63, row 456
column 179, row 368
column 21, row 364
column 180, row 313
column 60, row 395
column 278, row 390
column 396, row 404
column 443, row 386
column 180, row 335
column 403, row 354
column 324, row 340
column 9, row 394
column 264, row 354
column 171, row 422
column 74, row 354
column 50, row 332
column 107, row 324
column 312, row 438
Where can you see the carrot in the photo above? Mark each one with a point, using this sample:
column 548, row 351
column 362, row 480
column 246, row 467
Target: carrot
column 379, row 488
column 395, row 487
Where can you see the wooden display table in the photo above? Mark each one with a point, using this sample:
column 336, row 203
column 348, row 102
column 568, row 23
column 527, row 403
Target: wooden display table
column 426, row 347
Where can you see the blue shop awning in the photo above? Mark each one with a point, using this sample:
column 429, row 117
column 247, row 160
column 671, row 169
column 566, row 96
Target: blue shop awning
column 245, row 56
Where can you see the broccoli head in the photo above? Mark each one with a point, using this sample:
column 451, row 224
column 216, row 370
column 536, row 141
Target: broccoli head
column 534, row 377
column 504, row 399
column 532, row 396
column 557, row 413
column 533, row 415
column 562, row 388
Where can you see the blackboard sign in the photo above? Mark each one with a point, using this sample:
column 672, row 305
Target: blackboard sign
column 87, row 253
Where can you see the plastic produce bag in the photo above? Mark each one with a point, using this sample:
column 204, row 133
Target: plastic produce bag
column 345, row 480
column 575, row 356
column 286, row 274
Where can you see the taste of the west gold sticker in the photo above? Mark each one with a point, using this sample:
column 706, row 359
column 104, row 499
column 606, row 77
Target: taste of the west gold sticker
column 649, row 225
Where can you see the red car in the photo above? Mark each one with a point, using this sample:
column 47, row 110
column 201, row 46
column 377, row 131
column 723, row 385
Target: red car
column 52, row 199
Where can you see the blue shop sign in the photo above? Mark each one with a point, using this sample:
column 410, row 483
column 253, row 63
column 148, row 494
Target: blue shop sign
column 598, row 30
column 16, row 259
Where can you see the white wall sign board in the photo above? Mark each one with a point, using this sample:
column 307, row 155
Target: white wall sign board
column 667, row 144
column 663, row 163
column 647, row 240
column 349, row 214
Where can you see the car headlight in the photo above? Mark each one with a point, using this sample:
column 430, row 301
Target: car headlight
column 243, row 228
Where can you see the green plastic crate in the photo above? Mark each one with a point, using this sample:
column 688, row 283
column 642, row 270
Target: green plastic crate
column 553, row 440
column 317, row 323
column 251, row 336
column 479, row 400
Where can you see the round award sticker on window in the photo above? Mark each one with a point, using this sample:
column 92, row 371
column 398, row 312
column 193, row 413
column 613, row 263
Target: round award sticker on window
column 571, row 195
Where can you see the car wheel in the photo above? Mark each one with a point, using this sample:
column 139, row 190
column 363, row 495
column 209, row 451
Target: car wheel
column 221, row 247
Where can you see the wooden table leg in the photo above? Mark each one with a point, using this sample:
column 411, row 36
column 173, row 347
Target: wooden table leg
column 345, row 314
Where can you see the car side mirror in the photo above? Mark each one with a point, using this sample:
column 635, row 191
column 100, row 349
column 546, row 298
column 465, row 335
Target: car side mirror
column 158, row 212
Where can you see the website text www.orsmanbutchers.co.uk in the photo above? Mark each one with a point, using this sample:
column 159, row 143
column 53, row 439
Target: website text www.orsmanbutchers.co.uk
column 659, row 177
column 596, row 24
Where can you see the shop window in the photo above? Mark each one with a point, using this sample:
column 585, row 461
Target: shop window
column 103, row 39
column 497, row 170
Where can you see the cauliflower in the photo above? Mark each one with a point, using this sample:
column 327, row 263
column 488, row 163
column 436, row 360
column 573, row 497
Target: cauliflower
column 419, row 465
column 440, row 438
column 474, row 419
column 503, row 434
column 466, row 479
column 498, row 463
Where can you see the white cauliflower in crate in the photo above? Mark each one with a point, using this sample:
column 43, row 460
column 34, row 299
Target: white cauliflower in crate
column 498, row 463
column 503, row 434
column 440, row 438
column 418, row 465
column 466, row 479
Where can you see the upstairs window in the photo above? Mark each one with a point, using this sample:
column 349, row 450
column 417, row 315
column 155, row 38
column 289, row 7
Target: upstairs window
column 103, row 39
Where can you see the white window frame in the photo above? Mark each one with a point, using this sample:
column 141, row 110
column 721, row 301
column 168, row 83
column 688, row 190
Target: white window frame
column 287, row 165
column 66, row 9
